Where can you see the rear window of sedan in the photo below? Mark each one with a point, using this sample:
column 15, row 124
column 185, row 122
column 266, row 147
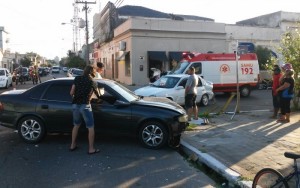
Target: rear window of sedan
column 58, row 92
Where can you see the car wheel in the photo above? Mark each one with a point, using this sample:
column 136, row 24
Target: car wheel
column 245, row 91
column 31, row 129
column 204, row 100
column 153, row 135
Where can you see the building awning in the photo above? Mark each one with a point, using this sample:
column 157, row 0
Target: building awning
column 122, row 56
column 177, row 56
column 157, row 56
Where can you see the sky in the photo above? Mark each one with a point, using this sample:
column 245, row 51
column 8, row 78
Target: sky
column 35, row 25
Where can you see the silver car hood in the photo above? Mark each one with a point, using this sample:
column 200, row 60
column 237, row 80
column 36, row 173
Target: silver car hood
column 162, row 102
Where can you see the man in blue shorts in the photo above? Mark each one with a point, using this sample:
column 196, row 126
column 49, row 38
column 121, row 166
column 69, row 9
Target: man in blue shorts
column 82, row 90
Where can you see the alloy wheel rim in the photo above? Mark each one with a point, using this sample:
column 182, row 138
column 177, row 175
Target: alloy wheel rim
column 31, row 129
column 205, row 100
column 152, row 135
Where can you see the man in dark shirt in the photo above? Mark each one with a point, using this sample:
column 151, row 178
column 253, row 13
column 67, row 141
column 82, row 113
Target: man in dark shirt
column 82, row 90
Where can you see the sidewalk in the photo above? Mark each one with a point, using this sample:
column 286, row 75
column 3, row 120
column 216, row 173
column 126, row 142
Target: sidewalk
column 238, row 148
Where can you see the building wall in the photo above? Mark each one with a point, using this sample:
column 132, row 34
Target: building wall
column 144, row 34
column 282, row 20
column 263, row 36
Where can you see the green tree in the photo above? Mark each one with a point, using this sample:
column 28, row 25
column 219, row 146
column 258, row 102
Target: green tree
column 74, row 60
column 264, row 57
column 289, row 47
column 25, row 62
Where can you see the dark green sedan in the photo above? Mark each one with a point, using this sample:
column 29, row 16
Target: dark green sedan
column 46, row 108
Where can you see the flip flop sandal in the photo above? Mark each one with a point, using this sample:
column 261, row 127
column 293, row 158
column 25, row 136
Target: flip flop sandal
column 96, row 151
column 73, row 149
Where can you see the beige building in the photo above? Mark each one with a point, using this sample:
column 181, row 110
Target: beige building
column 140, row 43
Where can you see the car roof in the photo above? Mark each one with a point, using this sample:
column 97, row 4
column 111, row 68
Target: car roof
column 106, row 81
column 177, row 75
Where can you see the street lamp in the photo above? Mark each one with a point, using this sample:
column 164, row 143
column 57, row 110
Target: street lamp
column 75, row 38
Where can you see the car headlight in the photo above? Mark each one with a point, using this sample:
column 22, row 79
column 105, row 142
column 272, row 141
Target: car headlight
column 183, row 118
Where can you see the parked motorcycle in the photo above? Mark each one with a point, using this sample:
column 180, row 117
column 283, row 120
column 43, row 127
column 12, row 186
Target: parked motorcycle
column 265, row 84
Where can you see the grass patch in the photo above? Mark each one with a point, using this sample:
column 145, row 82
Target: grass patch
column 191, row 127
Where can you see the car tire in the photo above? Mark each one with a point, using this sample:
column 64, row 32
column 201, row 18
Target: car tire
column 204, row 100
column 31, row 129
column 245, row 91
column 153, row 135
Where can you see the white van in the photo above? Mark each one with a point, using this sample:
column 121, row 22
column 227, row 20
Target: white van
column 221, row 70
column 55, row 69
column 5, row 78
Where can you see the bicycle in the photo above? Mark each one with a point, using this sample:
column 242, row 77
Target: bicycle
column 269, row 177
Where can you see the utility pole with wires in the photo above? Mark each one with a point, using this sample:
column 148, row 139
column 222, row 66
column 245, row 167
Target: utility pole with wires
column 86, row 8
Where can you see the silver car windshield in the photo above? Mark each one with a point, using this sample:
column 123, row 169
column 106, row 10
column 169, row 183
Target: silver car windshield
column 166, row 82
column 180, row 68
column 126, row 93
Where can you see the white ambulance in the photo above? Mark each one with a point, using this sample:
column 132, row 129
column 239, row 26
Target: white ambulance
column 221, row 70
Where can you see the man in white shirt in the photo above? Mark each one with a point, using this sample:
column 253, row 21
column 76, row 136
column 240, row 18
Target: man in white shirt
column 99, row 70
column 191, row 94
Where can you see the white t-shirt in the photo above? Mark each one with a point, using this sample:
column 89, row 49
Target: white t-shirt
column 97, row 76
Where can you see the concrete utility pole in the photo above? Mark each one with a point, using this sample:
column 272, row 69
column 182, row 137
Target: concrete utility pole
column 86, row 8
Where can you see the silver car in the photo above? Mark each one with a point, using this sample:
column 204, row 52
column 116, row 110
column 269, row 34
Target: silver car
column 5, row 78
column 172, row 86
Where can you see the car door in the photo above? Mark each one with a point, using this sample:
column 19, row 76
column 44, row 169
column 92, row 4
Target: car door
column 180, row 89
column 55, row 106
column 112, row 114
column 9, row 77
column 200, row 90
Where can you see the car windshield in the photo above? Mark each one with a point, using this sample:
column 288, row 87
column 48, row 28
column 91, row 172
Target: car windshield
column 180, row 68
column 126, row 93
column 166, row 82
column 2, row 73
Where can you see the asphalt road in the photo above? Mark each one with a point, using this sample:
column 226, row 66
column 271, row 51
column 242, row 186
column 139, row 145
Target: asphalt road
column 122, row 162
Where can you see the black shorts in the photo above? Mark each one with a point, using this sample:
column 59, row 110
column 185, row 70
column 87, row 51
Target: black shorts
column 190, row 100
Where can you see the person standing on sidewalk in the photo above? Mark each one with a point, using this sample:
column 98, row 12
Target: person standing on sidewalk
column 81, row 91
column 276, row 98
column 191, row 94
column 286, row 90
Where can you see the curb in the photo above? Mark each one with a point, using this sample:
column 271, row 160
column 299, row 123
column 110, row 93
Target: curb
column 233, row 177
